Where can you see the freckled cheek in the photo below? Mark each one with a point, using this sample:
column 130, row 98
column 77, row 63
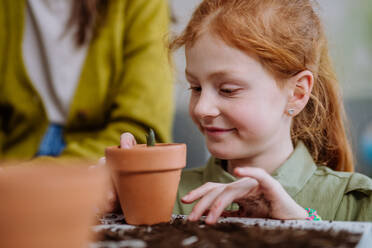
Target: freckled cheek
column 250, row 121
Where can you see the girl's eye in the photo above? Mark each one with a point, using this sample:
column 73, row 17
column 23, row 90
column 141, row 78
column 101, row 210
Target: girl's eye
column 195, row 88
column 228, row 90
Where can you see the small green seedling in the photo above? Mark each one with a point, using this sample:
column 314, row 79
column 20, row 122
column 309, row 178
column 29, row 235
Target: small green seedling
column 150, row 138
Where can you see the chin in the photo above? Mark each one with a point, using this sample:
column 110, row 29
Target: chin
column 221, row 153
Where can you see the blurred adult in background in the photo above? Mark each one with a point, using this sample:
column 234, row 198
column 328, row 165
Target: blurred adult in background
column 75, row 74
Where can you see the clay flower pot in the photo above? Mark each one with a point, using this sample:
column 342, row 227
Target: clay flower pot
column 49, row 206
column 146, row 180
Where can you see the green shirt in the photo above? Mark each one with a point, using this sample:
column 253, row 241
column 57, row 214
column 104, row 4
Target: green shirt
column 341, row 196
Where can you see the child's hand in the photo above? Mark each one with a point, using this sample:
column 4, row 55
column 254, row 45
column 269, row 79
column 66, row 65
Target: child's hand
column 257, row 193
column 127, row 140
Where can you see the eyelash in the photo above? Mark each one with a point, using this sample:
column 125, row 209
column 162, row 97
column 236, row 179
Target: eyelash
column 199, row 89
column 227, row 91
column 195, row 88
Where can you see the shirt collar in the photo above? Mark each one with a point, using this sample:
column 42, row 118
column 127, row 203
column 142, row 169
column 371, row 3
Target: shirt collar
column 293, row 174
column 296, row 171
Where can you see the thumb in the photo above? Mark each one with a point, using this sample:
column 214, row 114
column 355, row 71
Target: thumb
column 127, row 140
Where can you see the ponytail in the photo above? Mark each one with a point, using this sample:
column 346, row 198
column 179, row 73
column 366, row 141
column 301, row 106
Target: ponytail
column 321, row 124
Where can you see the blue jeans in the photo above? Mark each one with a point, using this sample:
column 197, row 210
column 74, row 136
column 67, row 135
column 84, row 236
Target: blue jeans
column 52, row 143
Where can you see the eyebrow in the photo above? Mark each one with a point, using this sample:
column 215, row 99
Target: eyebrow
column 214, row 75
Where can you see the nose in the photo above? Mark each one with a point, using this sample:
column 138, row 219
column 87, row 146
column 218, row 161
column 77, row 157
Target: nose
column 206, row 106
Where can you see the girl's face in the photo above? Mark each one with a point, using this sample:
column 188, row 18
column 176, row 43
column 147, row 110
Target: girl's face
column 236, row 104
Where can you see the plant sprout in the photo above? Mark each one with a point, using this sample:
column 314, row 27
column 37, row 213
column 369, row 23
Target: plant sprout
column 150, row 138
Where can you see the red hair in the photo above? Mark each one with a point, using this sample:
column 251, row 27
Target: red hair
column 288, row 37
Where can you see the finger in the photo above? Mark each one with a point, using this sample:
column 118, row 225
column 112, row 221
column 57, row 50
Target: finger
column 205, row 202
column 111, row 196
column 218, row 207
column 231, row 192
column 263, row 178
column 127, row 140
column 111, row 201
column 199, row 192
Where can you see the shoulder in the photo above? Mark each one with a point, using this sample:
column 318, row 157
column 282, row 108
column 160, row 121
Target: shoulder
column 356, row 204
column 361, row 183
column 358, row 198
column 323, row 171
column 338, row 195
column 330, row 181
column 350, row 181
column 354, row 194
column 346, row 182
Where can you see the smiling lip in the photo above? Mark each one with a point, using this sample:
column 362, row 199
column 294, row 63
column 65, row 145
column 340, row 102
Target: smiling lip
column 217, row 130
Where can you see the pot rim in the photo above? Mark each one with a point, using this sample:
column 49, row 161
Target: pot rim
column 140, row 158
column 144, row 146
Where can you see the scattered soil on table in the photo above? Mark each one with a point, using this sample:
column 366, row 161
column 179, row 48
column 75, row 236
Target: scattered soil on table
column 182, row 233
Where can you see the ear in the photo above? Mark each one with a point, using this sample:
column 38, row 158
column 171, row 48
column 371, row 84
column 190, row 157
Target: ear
column 300, row 89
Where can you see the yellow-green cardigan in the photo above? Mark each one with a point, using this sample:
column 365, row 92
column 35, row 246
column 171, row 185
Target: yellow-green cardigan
column 125, row 84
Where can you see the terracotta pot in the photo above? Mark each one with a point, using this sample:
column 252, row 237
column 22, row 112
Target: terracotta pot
column 49, row 206
column 146, row 180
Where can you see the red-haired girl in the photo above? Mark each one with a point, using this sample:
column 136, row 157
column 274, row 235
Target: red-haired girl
column 265, row 96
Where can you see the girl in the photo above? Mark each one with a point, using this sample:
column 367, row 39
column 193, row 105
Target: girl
column 265, row 96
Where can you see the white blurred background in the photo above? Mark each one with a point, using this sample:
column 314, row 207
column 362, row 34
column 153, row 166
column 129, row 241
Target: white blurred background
column 349, row 28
